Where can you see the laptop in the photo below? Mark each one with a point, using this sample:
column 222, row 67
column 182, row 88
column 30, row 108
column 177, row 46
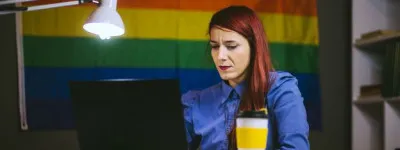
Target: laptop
column 128, row 115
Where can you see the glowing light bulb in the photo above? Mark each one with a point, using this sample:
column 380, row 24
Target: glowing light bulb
column 104, row 37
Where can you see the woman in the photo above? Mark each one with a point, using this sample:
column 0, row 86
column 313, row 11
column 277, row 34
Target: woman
column 240, row 52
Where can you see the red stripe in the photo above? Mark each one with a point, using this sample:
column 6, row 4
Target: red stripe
column 293, row 7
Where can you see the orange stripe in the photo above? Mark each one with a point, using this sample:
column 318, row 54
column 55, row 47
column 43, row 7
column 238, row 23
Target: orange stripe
column 293, row 7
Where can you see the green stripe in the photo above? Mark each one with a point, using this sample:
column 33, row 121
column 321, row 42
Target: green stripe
column 146, row 53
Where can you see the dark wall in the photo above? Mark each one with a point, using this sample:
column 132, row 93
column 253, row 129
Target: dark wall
column 10, row 137
column 334, row 20
column 335, row 72
column 8, row 83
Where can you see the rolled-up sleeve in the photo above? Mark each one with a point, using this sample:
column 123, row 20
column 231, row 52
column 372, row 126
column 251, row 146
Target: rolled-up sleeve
column 290, row 114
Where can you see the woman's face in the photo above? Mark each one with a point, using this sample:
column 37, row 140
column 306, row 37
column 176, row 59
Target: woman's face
column 231, row 54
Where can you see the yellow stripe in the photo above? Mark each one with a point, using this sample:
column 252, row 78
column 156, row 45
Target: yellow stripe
column 164, row 24
column 251, row 137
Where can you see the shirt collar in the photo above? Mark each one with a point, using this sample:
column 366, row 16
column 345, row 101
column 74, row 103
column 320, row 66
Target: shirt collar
column 227, row 89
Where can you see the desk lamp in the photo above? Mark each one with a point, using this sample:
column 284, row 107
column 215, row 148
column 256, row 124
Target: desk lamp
column 104, row 22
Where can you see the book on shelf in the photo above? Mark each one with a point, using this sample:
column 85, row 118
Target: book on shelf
column 375, row 39
column 391, row 70
column 377, row 33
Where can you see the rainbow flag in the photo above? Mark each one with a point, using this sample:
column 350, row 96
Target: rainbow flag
column 163, row 39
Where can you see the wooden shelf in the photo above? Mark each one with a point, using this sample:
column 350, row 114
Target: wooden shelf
column 369, row 100
column 393, row 99
column 377, row 43
column 375, row 34
column 375, row 99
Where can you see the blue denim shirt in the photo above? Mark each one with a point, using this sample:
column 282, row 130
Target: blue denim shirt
column 209, row 115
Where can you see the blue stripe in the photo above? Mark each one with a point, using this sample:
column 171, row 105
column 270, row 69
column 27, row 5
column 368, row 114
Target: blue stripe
column 52, row 83
column 47, row 91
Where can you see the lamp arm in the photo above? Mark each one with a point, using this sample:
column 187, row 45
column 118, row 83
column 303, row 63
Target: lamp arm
column 5, row 2
column 54, row 5
column 13, row 9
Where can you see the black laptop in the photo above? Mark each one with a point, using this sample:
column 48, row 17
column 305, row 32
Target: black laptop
column 128, row 115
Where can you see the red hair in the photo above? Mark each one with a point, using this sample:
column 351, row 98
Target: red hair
column 244, row 21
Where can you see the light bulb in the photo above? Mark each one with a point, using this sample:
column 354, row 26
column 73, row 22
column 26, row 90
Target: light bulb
column 104, row 37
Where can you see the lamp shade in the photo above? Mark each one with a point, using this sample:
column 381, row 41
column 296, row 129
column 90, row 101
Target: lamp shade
column 105, row 21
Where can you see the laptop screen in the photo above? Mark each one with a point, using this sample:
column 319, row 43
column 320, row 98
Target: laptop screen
column 132, row 114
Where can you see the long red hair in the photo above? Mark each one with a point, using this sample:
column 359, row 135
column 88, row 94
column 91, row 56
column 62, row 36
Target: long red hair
column 245, row 21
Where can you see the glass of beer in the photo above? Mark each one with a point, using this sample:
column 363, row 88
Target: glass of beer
column 252, row 130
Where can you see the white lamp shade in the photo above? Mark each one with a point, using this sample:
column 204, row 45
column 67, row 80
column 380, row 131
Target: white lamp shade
column 105, row 22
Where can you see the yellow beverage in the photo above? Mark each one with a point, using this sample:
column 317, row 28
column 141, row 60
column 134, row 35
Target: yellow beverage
column 252, row 131
column 252, row 137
